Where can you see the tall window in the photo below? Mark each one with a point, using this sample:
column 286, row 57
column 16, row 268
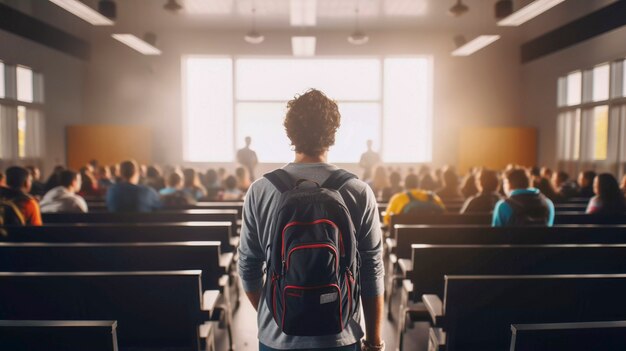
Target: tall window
column 591, row 123
column 386, row 100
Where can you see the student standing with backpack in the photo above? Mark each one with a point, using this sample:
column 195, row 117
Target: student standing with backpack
column 316, row 229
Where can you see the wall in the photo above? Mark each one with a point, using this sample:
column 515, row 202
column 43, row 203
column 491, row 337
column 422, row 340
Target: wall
column 126, row 87
column 540, row 84
column 63, row 89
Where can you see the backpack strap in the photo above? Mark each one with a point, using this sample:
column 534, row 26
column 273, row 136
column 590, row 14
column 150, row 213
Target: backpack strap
column 280, row 179
column 338, row 179
column 410, row 196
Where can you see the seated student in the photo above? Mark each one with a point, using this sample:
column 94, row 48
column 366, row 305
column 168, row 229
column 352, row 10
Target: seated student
column 468, row 186
column 105, row 179
column 153, row 178
column 564, row 188
column 15, row 195
column 174, row 195
column 487, row 183
column 380, row 181
column 212, row 184
column 395, row 186
column 450, row 189
column 89, row 184
column 231, row 191
column 192, row 184
column 38, row 189
column 3, row 182
column 413, row 200
column 243, row 179
column 63, row 198
column 609, row 199
column 53, row 179
column 524, row 206
column 585, row 184
column 127, row 196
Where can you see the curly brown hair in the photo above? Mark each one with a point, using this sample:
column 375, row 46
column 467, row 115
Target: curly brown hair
column 311, row 122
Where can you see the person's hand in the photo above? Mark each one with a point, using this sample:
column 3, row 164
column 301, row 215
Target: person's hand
column 367, row 346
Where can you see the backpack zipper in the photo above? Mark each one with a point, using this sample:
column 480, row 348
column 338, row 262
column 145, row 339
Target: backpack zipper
column 312, row 246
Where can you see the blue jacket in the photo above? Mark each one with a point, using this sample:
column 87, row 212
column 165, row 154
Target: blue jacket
column 127, row 197
column 503, row 212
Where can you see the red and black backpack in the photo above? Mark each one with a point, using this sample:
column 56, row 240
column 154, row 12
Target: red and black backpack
column 312, row 280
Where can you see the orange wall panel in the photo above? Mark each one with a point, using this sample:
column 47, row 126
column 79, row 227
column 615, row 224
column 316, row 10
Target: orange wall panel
column 497, row 147
column 109, row 144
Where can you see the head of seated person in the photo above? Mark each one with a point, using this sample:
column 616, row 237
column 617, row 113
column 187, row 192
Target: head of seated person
column 129, row 172
column 609, row 198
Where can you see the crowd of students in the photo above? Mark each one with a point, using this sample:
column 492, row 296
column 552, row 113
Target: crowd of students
column 515, row 196
column 128, row 187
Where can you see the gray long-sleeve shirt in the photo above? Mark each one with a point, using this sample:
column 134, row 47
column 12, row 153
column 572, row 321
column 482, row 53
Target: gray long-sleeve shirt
column 260, row 204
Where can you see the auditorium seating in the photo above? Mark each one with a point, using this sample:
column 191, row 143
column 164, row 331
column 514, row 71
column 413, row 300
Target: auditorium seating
column 605, row 336
column 95, row 206
column 478, row 310
column 153, row 309
column 58, row 335
column 485, row 219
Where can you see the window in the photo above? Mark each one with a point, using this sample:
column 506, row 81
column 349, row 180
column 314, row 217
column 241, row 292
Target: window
column 569, row 135
column 21, row 131
column 262, row 88
column 601, row 83
column 208, row 93
column 24, row 84
column 600, row 132
column 2, row 82
column 623, row 78
column 574, row 88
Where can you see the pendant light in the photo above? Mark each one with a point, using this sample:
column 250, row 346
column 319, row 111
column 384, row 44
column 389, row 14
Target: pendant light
column 358, row 37
column 253, row 36
column 458, row 9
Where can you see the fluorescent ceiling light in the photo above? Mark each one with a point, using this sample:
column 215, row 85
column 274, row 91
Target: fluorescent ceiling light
column 84, row 12
column 475, row 45
column 209, row 7
column 303, row 13
column 303, row 46
column 528, row 12
column 137, row 44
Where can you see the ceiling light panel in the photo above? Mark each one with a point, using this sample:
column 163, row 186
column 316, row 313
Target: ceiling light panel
column 345, row 9
column 303, row 46
column 209, row 7
column 137, row 44
column 303, row 13
column 475, row 45
column 405, row 7
column 266, row 8
column 528, row 12
column 83, row 11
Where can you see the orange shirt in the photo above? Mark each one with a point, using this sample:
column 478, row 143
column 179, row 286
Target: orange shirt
column 30, row 210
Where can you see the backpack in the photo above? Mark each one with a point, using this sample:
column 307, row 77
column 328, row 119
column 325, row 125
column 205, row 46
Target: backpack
column 528, row 210
column 313, row 265
column 416, row 206
column 10, row 214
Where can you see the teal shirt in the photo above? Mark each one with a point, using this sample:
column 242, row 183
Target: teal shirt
column 503, row 212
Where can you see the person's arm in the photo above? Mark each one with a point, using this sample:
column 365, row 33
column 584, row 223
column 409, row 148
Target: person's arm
column 372, row 269
column 552, row 212
column 499, row 217
column 32, row 213
column 251, row 254
column 393, row 207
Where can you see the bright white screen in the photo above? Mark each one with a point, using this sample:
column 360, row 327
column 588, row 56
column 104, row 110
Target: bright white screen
column 263, row 122
column 359, row 122
column 574, row 88
column 208, row 101
column 2, row 82
column 407, row 123
column 282, row 79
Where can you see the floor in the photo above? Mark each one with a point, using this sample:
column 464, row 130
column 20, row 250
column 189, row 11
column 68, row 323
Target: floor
column 245, row 332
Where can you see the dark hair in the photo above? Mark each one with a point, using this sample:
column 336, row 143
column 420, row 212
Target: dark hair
column 153, row 172
column 189, row 176
column 468, row 186
column 16, row 177
column 589, row 176
column 535, row 171
column 518, row 179
column 395, row 178
column 67, row 177
column 562, row 176
column 128, row 169
column 609, row 192
column 311, row 122
column 230, row 182
column 450, row 178
column 488, row 180
column 427, row 182
column 174, row 180
column 411, row 181
column 210, row 176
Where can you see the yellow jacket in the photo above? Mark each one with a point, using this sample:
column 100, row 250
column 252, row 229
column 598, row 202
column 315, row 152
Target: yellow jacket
column 399, row 200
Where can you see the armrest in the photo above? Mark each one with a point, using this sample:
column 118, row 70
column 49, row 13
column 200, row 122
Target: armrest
column 209, row 300
column 234, row 241
column 393, row 258
column 223, row 281
column 391, row 243
column 434, row 306
column 225, row 260
column 437, row 338
column 205, row 330
column 407, row 285
column 405, row 265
